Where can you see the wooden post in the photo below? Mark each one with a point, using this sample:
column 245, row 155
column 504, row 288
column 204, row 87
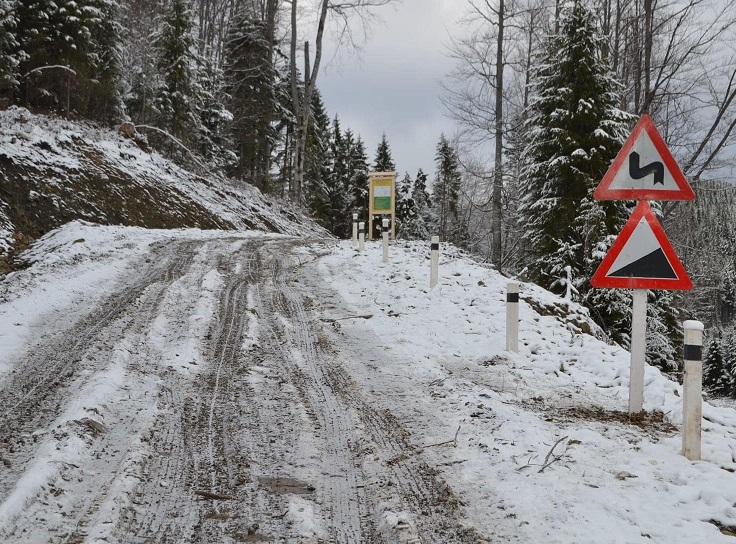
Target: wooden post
column 434, row 261
column 692, row 391
column 638, row 351
column 385, row 240
column 361, row 236
column 355, row 229
column 512, row 317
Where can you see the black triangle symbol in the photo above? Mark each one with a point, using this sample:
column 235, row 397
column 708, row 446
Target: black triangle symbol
column 654, row 265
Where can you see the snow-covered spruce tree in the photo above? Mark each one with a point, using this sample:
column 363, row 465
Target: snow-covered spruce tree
column 68, row 56
column 405, row 211
column 323, row 192
column 357, row 181
column 383, row 161
column 215, row 144
column 8, row 49
column 716, row 377
column 106, row 97
column 729, row 359
column 250, row 78
column 575, row 130
column 421, row 225
column 140, row 75
column 179, row 99
column 446, row 191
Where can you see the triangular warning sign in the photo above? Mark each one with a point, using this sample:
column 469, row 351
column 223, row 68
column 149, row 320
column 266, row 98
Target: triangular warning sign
column 644, row 169
column 642, row 257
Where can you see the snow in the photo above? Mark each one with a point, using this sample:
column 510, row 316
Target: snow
column 533, row 444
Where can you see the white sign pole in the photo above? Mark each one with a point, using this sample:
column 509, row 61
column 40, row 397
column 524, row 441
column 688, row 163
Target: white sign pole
column 692, row 392
column 361, row 236
column 512, row 317
column 385, row 240
column 638, row 351
column 434, row 262
column 355, row 229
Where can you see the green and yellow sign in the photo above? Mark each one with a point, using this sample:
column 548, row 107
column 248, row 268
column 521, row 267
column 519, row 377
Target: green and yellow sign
column 382, row 195
column 381, row 198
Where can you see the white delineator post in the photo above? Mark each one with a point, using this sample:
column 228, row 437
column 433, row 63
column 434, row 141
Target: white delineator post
column 434, row 261
column 638, row 351
column 512, row 317
column 692, row 390
column 361, row 236
column 385, row 240
column 355, row 229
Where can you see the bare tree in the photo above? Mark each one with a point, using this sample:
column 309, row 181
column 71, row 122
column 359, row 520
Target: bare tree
column 303, row 91
column 501, row 41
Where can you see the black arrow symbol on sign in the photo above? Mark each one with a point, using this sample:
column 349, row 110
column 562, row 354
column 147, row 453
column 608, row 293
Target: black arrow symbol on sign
column 656, row 168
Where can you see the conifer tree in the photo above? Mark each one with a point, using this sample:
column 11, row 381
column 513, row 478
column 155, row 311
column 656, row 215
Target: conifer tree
column 250, row 77
column 575, row 129
column 318, row 167
column 729, row 361
column 405, row 209
column 106, row 97
column 179, row 98
column 716, row 377
column 141, row 78
column 421, row 225
column 8, row 49
column 383, row 161
column 446, row 191
column 68, row 56
column 326, row 196
column 357, row 180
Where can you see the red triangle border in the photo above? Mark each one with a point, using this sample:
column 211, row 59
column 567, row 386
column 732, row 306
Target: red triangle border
column 604, row 192
column 600, row 278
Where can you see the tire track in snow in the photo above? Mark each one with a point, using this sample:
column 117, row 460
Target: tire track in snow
column 82, row 356
column 427, row 509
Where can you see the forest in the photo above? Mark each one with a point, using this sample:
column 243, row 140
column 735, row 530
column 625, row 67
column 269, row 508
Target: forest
column 548, row 90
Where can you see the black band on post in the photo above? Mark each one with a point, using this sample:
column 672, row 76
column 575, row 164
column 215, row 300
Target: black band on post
column 693, row 352
column 512, row 297
column 435, row 247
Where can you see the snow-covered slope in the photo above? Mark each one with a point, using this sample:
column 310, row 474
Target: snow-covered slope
column 53, row 171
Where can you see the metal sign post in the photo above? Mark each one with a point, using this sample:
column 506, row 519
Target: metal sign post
column 638, row 351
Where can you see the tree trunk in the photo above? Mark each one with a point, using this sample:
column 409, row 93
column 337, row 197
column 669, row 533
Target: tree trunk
column 498, row 158
column 301, row 109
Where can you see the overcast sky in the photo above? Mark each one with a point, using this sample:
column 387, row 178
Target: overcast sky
column 393, row 85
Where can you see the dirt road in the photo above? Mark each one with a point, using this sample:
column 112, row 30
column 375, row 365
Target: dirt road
column 203, row 400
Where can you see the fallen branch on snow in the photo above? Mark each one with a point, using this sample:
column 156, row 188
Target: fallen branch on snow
column 213, row 496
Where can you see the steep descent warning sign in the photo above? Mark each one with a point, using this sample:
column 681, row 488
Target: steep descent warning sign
column 644, row 169
column 642, row 257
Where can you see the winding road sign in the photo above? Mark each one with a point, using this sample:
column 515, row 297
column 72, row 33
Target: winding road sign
column 644, row 169
column 642, row 257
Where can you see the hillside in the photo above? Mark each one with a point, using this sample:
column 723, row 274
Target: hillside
column 53, row 171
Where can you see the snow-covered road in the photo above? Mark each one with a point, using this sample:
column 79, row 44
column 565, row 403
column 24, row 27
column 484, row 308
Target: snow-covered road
column 203, row 386
column 200, row 400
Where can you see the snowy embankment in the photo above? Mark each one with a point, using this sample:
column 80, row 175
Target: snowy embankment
column 545, row 451
column 53, row 171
